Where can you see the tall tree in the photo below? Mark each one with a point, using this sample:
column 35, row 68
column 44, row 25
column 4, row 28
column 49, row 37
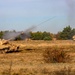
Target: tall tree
column 66, row 33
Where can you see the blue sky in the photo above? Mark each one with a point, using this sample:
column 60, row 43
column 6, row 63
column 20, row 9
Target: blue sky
column 22, row 14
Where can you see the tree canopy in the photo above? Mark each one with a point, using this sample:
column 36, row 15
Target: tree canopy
column 66, row 34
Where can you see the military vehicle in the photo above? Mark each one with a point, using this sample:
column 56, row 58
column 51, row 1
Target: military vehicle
column 7, row 47
column 73, row 37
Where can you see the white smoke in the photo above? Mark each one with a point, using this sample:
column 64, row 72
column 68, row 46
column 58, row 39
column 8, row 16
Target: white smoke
column 11, row 35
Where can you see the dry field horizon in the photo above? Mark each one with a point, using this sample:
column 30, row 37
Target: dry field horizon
column 30, row 60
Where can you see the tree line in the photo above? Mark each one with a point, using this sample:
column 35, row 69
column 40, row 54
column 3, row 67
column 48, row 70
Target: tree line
column 41, row 35
column 66, row 34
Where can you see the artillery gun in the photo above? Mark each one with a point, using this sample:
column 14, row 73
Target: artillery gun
column 7, row 47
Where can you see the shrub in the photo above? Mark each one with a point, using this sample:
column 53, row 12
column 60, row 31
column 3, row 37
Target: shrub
column 47, row 38
column 55, row 55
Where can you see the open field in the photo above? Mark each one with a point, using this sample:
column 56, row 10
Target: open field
column 30, row 60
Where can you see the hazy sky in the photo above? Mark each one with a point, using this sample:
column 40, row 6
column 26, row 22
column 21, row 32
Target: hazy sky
column 22, row 14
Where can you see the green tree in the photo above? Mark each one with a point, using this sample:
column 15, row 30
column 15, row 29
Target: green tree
column 46, row 36
column 72, row 33
column 66, row 33
column 36, row 35
column 1, row 34
column 41, row 36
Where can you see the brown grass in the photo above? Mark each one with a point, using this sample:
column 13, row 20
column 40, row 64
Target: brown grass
column 30, row 60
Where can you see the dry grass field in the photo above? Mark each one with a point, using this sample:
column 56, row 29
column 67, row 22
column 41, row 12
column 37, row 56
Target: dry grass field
column 30, row 61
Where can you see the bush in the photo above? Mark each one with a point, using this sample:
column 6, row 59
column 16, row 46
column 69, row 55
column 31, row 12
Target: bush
column 55, row 55
column 47, row 38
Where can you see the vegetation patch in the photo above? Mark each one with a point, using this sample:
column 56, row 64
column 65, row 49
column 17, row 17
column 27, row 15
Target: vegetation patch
column 55, row 55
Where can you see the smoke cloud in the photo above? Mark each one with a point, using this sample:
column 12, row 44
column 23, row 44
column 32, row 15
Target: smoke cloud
column 11, row 35
column 71, row 11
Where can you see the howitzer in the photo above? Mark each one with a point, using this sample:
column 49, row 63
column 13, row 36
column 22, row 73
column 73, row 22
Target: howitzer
column 7, row 47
